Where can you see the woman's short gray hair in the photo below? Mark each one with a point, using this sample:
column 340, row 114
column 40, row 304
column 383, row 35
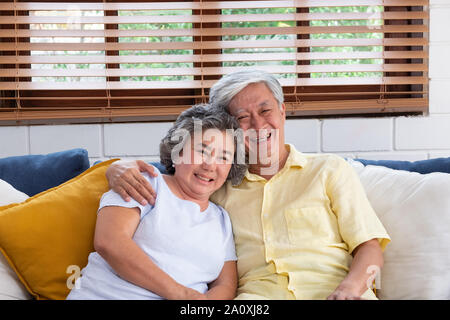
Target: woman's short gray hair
column 224, row 90
column 203, row 116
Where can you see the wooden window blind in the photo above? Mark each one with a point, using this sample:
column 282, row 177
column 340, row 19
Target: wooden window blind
column 97, row 61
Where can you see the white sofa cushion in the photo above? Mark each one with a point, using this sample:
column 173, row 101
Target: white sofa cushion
column 10, row 286
column 415, row 210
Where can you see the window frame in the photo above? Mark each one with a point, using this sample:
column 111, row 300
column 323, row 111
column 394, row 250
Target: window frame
column 189, row 96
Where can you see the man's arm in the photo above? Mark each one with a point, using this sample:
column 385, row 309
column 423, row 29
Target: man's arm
column 125, row 178
column 113, row 240
column 367, row 254
column 224, row 287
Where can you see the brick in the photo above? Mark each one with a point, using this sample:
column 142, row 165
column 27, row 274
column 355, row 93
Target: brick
column 400, row 156
column 439, row 154
column 13, row 141
column 439, row 18
column 47, row 139
column 303, row 134
column 134, row 139
column 357, row 134
column 425, row 133
column 439, row 2
column 439, row 102
column 439, row 62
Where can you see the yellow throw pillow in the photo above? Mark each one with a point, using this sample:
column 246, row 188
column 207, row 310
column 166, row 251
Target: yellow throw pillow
column 49, row 236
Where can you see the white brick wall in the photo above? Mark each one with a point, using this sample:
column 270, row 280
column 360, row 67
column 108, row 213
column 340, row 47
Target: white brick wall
column 47, row 139
column 303, row 134
column 14, row 142
column 439, row 100
column 439, row 51
column 431, row 132
column 437, row 32
column 357, row 134
column 396, row 138
column 134, row 139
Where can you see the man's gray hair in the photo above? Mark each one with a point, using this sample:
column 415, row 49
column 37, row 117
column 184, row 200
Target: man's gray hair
column 203, row 116
column 224, row 90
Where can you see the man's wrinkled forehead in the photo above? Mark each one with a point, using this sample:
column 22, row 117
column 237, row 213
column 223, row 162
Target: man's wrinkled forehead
column 237, row 109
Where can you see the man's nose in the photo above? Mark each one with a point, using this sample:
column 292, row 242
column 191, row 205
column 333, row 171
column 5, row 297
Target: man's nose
column 257, row 122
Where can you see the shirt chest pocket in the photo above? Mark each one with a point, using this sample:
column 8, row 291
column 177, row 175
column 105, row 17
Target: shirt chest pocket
column 311, row 224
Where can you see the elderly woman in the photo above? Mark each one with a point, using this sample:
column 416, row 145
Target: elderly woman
column 182, row 246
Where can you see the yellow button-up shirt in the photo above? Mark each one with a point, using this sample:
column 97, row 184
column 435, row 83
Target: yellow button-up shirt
column 294, row 233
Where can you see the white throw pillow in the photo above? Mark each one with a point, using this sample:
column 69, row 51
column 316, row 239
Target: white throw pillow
column 415, row 210
column 10, row 195
column 10, row 286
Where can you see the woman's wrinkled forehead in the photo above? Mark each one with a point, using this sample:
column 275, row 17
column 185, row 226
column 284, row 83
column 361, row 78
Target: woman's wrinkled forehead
column 220, row 140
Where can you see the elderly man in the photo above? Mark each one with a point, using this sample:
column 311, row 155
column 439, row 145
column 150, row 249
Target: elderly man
column 302, row 224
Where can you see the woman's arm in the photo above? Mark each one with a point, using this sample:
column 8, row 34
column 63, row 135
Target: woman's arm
column 224, row 287
column 355, row 283
column 113, row 241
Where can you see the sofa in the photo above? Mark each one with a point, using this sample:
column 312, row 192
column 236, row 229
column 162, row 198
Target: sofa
column 48, row 206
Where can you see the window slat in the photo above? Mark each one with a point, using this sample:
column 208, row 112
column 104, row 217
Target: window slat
column 196, row 84
column 21, row 33
column 205, row 5
column 212, row 18
column 130, row 72
column 188, row 45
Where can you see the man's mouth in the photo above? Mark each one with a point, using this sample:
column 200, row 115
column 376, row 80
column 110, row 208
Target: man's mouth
column 261, row 139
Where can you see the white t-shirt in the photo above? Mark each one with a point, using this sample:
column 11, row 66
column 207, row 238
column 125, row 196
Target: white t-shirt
column 189, row 245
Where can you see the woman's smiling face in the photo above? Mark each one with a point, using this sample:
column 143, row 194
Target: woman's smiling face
column 205, row 163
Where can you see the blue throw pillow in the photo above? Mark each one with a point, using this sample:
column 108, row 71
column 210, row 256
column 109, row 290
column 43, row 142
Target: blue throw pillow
column 160, row 167
column 421, row 166
column 33, row 174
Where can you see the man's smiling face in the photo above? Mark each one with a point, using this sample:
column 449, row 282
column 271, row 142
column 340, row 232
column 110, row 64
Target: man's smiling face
column 261, row 118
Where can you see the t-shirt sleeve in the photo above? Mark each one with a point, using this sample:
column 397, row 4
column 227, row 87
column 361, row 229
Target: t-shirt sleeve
column 112, row 198
column 357, row 220
column 230, row 250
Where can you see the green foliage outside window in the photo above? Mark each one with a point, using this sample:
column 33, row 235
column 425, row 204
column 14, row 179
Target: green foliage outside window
column 372, row 34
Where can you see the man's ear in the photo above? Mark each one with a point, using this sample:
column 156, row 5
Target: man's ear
column 283, row 110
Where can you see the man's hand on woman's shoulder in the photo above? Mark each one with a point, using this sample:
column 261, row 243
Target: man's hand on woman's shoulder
column 125, row 178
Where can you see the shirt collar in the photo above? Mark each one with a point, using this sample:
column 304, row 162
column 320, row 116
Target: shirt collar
column 295, row 159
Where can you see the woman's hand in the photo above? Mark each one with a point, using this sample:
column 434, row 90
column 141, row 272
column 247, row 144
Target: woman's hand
column 185, row 293
column 125, row 178
column 345, row 293
column 224, row 287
